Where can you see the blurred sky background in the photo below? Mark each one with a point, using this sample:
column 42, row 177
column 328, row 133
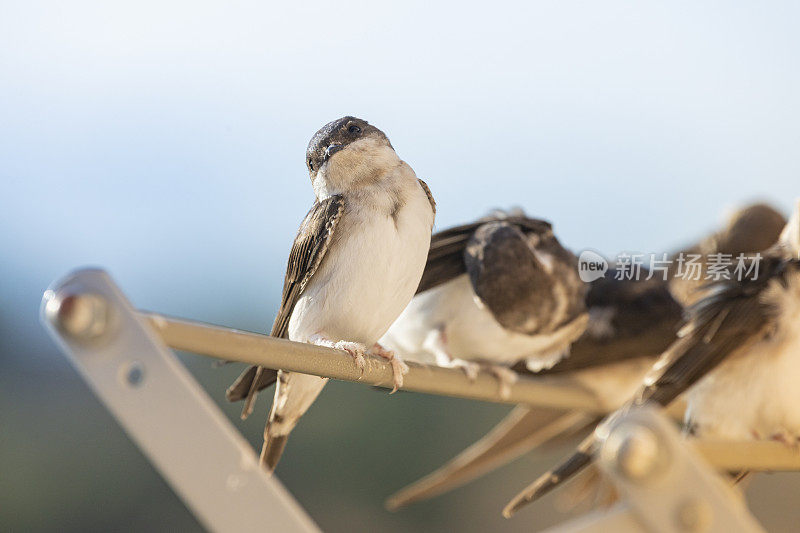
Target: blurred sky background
column 165, row 142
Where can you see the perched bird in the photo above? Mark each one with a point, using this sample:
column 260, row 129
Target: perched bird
column 632, row 321
column 736, row 360
column 354, row 265
column 495, row 292
column 753, row 228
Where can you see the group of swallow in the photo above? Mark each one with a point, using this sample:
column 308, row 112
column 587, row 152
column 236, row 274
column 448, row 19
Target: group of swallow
column 502, row 294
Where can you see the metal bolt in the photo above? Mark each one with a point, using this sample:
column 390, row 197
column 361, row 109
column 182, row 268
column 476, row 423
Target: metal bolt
column 134, row 373
column 635, row 451
column 81, row 316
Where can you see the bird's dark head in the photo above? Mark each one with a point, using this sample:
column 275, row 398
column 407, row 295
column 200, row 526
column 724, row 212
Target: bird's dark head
column 753, row 228
column 346, row 150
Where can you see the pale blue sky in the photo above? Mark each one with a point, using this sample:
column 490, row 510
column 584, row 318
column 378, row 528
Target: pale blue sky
column 166, row 141
column 142, row 130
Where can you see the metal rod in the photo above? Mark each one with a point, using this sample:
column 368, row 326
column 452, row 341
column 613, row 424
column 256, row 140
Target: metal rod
column 761, row 456
column 270, row 352
column 253, row 348
column 180, row 429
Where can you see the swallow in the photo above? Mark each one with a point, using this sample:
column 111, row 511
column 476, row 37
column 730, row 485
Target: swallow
column 495, row 292
column 753, row 228
column 356, row 262
column 632, row 321
column 735, row 361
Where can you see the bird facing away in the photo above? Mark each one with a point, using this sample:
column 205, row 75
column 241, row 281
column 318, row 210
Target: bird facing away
column 753, row 228
column 495, row 292
column 632, row 321
column 736, row 359
column 355, row 263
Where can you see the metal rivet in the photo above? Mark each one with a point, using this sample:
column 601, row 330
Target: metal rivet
column 133, row 373
column 80, row 316
column 636, row 452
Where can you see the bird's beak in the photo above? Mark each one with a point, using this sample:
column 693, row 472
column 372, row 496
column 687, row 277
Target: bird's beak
column 332, row 149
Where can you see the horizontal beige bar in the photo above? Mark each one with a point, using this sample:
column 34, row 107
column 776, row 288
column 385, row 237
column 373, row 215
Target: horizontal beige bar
column 253, row 348
column 270, row 352
column 735, row 456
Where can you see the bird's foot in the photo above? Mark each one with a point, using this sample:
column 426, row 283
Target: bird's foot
column 468, row 367
column 786, row 438
column 546, row 360
column 436, row 343
column 355, row 349
column 505, row 377
column 398, row 366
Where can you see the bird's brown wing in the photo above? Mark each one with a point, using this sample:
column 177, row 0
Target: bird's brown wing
column 240, row 388
column 446, row 255
column 729, row 319
column 429, row 194
column 310, row 245
column 726, row 321
column 639, row 319
column 308, row 250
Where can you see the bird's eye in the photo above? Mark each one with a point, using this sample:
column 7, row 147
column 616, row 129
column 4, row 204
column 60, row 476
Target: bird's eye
column 310, row 164
column 354, row 129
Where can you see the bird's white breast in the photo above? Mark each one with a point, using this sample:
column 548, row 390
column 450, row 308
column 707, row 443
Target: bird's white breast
column 372, row 269
column 470, row 330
